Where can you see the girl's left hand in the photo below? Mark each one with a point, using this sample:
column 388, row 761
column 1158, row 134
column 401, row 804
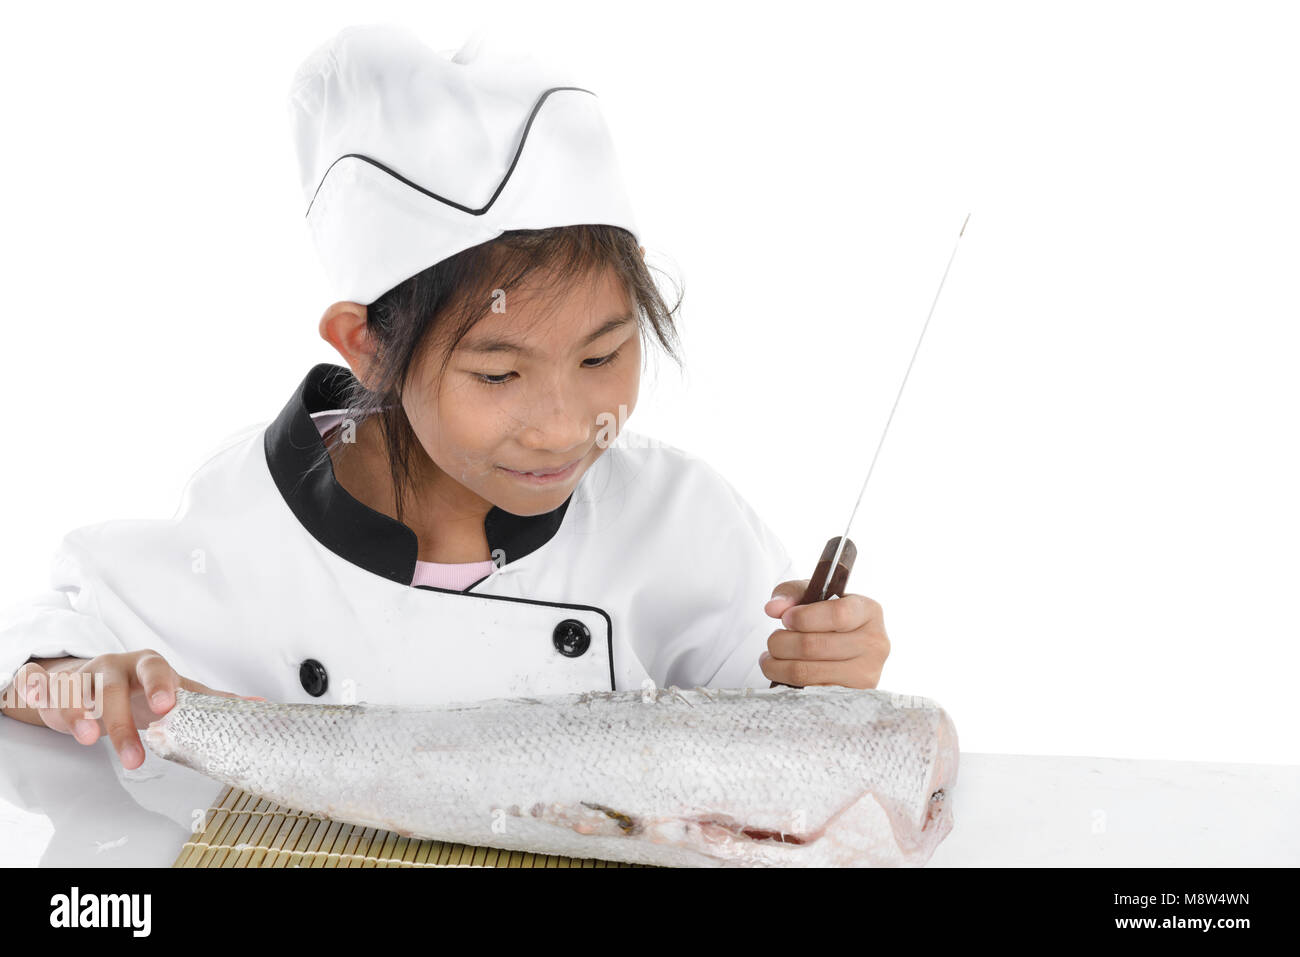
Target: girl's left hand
column 839, row 641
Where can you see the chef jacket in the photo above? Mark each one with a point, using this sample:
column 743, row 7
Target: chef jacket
column 272, row 580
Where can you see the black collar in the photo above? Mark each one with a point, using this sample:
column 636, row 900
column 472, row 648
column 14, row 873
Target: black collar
column 345, row 526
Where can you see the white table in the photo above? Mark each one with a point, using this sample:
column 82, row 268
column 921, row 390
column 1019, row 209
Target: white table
column 64, row 804
column 1024, row 810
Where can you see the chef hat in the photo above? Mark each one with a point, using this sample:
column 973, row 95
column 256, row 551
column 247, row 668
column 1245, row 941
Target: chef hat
column 407, row 155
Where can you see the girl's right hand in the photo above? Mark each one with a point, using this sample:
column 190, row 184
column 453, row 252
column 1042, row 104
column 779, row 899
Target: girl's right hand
column 139, row 687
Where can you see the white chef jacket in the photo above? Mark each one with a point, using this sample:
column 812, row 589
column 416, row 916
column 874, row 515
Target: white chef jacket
column 272, row 580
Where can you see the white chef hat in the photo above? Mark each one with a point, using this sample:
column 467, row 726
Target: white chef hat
column 407, row 155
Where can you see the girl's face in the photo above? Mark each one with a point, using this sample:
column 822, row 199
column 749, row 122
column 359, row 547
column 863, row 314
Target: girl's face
column 544, row 381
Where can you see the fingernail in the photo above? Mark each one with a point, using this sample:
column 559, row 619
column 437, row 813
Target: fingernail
column 160, row 699
column 132, row 753
column 785, row 619
column 85, row 728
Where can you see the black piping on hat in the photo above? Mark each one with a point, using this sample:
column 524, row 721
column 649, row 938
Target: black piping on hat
column 443, row 199
column 354, row 531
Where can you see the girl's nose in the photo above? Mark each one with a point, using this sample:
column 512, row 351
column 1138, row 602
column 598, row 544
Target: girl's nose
column 556, row 425
column 557, row 436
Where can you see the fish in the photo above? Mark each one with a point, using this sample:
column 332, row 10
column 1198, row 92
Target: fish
column 820, row 776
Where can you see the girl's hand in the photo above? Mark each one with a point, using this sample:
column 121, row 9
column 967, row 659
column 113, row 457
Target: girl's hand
column 839, row 641
column 138, row 687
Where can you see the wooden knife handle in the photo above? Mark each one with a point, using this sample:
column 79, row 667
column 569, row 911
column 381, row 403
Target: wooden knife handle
column 839, row 578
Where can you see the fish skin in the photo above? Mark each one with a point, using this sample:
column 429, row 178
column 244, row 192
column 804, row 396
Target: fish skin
column 806, row 777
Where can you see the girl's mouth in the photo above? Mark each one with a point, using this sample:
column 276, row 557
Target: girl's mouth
column 543, row 478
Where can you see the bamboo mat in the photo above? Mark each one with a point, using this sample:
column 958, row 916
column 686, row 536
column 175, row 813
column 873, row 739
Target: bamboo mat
column 247, row 831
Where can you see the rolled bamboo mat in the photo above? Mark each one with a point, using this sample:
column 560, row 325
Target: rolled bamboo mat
column 247, row 831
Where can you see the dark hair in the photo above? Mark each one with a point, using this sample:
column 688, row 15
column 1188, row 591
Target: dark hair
column 443, row 302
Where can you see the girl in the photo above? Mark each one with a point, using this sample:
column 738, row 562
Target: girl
column 459, row 512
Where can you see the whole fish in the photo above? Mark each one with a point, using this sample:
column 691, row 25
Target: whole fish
column 815, row 776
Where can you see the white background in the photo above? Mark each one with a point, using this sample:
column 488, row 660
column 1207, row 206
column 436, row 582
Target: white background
column 1083, row 527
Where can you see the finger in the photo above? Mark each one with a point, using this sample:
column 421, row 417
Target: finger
column 158, row 680
column 33, row 685
column 119, row 722
column 816, row 645
column 784, row 595
column 802, row 673
column 31, row 682
column 847, row 613
column 71, row 698
column 776, row 607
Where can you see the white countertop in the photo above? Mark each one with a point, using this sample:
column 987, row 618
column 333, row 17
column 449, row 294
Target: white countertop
column 63, row 804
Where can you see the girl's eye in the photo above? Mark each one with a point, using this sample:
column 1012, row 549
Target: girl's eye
column 603, row 360
column 502, row 379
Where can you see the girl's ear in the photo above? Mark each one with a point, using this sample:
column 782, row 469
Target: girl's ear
column 344, row 327
column 642, row 248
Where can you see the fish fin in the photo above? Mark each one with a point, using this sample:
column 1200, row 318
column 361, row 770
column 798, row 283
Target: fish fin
column 881, row 830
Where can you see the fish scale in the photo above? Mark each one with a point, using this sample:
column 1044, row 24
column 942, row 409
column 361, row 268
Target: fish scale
column 816, row 776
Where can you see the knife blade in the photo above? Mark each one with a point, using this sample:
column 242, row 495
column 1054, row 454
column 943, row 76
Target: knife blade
column 831, row 576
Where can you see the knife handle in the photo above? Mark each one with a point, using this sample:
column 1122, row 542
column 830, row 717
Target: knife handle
column 839, row 579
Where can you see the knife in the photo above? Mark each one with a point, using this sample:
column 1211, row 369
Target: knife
column 832, row 572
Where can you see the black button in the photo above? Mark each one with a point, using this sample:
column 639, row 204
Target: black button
column 571, row 638
column 313, row 677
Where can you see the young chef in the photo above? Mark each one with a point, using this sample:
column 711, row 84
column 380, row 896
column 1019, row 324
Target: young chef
column 458, row 513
